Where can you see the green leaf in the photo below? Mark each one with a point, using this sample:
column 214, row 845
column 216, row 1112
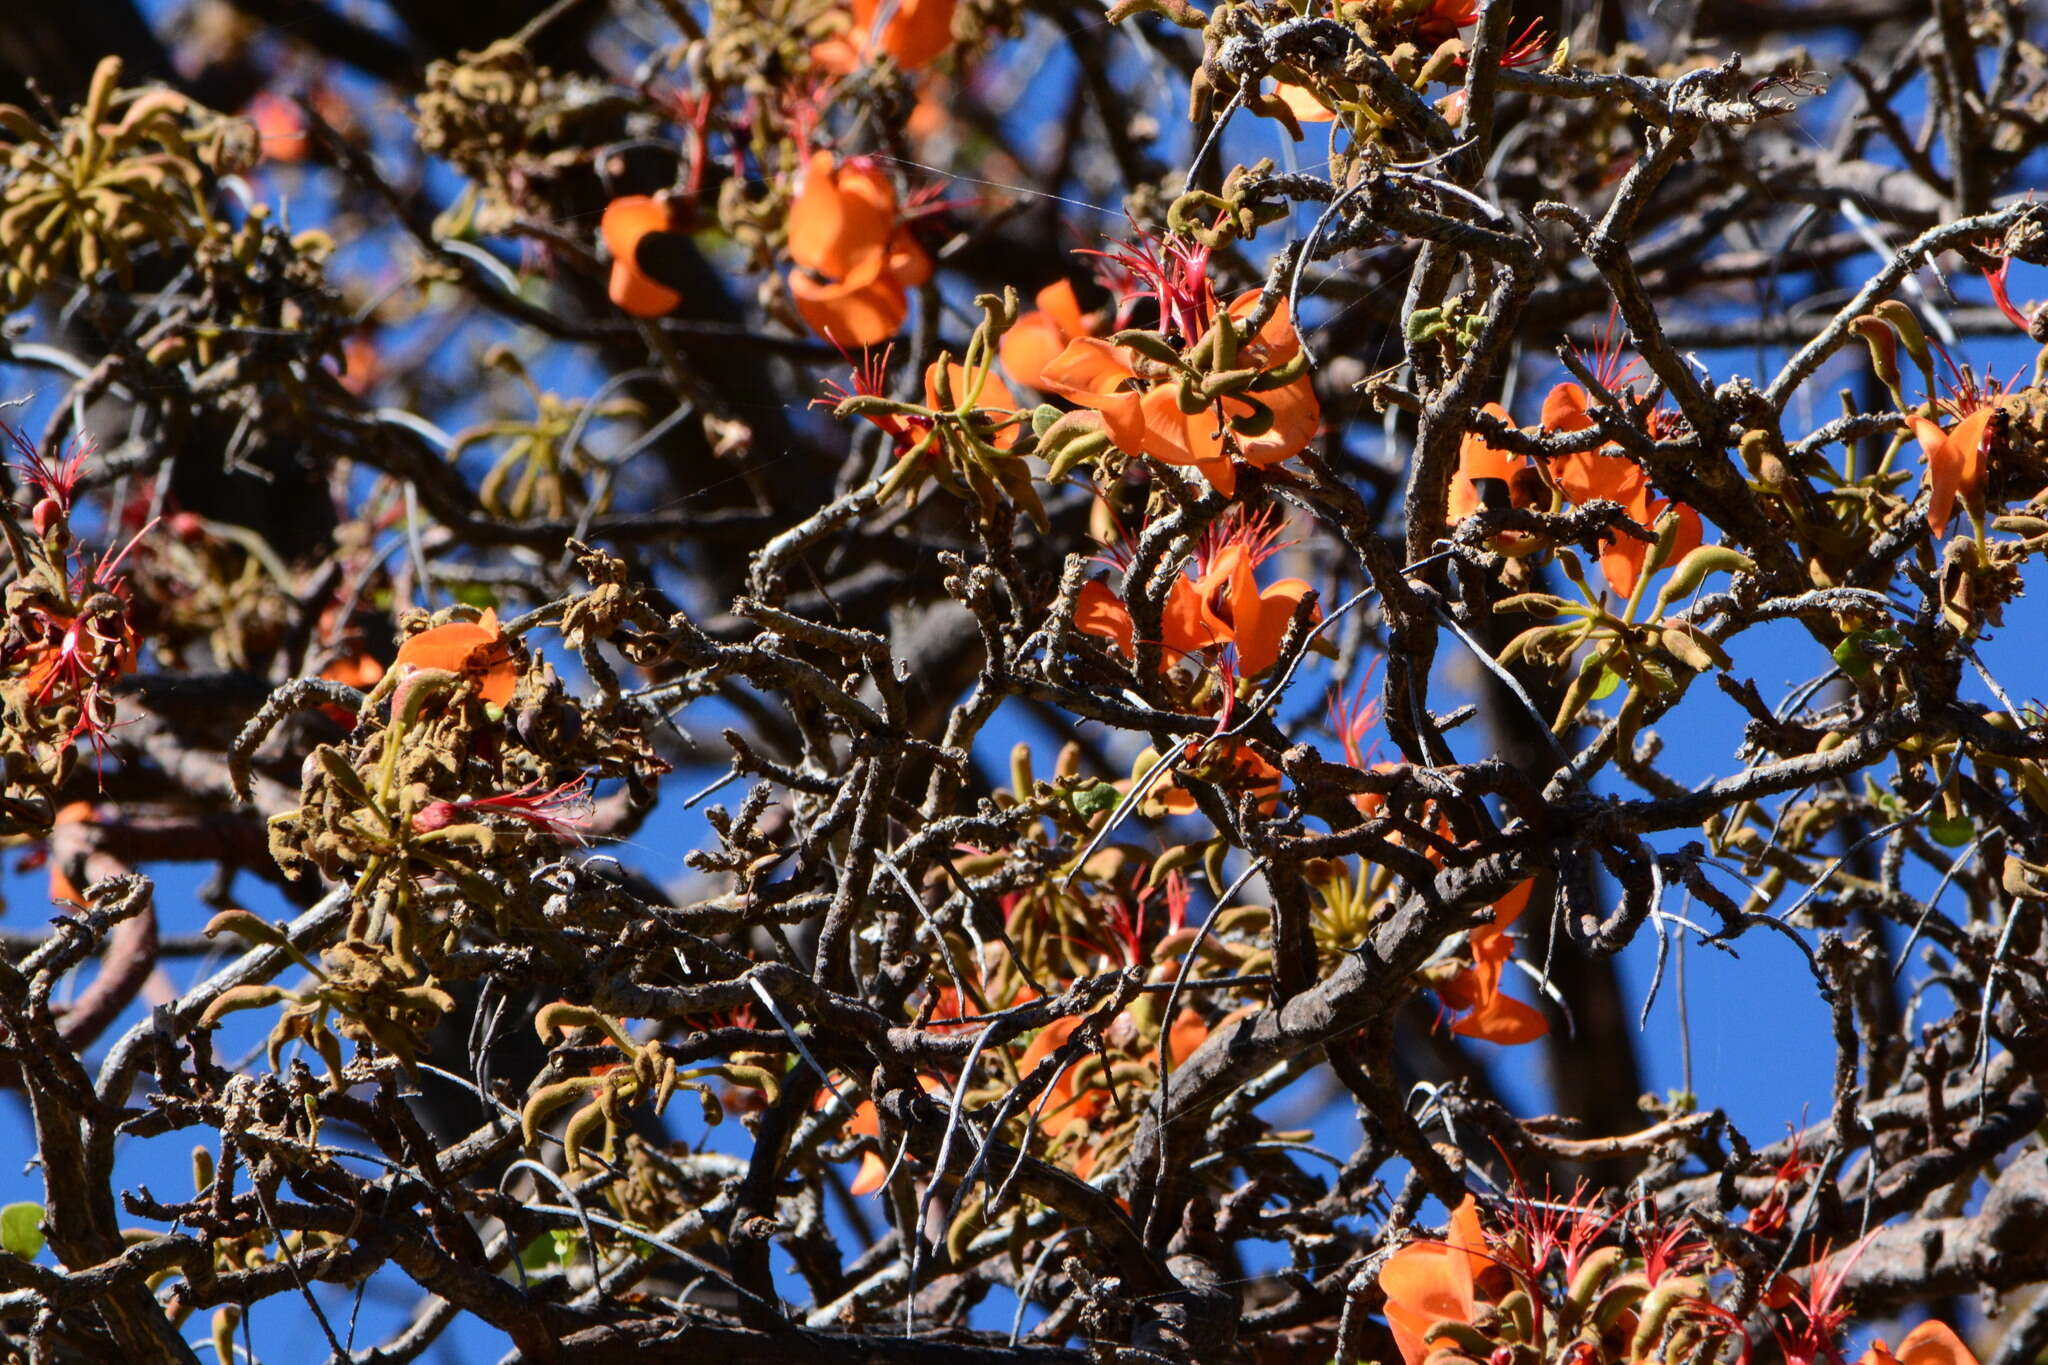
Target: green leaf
column 474, row 594
column 1849, row 655
column 1951, row 831
column 1609, row 680
column 1424, row 323
column 21, row 1230
column 1100, row 797
column 552, row 1250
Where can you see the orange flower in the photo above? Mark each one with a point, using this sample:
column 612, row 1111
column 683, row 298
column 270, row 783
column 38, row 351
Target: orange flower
column 873, row 1170
column 361, row 365
column 1303, row 103
column 1478, row 460
column 867, row 1122
column 1564, row 408
column 361, row 671
column 1237, row 768
column 1593, row 474
column 1100, row 375
column 1041, row 334
column 842, row 217
column 627, row 223
column 1258, row 617
column 1296, row 414
column 1149, row 421
column 917, row 32
column 1444, row 18
column 1188, row 626
column 1489, row 1014
column 1621, row 559
column 1589, row 474
column 76, row 654
column 1431, row 1282
column 1187, row 1034
column 1219, row 603
column 475, row 649
column 1061, row 1107
column 280, row 127
column 1955, row 465
column 62, row 888
column 1931, row 1343
column 855, row 260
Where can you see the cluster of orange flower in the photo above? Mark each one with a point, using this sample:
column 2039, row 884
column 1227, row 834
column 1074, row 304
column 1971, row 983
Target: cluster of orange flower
column 1579, row 478
column 1553, row 1273
column 852, row 257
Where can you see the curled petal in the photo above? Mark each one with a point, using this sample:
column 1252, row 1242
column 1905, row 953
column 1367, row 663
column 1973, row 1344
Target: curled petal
column 1303, row 103
column 1564, row 409
column 1041, row 334
column 873, row 1172
column 627, row 222
column 475, row 649
column 1297, row 417
column 851, row 313
column 1503, row 1020
column 1190, row 622
column 1059, row 302
column 1621, row 562
column 842, row 219
column 1030, row 346
column 1425, row 1283
column 1096, row 374
column 1099, row 611
column 1934, row 1343
column 1478, row 460
column 917, row 31
column 1955, row 465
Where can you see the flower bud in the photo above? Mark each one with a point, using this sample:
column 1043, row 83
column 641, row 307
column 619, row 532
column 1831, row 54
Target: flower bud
column 432, row 816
